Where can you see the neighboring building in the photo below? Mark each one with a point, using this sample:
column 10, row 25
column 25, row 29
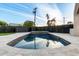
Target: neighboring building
column 75, row 31
column 69, row 23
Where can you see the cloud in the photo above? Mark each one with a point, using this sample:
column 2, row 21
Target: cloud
column 43, row 9
column 22, row 5
column 53, row 11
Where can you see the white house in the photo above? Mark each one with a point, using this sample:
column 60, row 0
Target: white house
column 75, row 30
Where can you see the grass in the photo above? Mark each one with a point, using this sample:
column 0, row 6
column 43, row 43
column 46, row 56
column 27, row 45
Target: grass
column 2, row 34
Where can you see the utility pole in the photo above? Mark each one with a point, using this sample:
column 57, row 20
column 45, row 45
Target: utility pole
column 63, row 20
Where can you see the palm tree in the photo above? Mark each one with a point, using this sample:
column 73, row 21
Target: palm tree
column 47, row 16
column 53, row 22
column 49, row 22
column 34, row 12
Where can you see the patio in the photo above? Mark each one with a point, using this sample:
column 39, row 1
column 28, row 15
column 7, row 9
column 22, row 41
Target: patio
column 70, row 50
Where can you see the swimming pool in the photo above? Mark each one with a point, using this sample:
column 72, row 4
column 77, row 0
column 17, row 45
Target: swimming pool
column 39, row 40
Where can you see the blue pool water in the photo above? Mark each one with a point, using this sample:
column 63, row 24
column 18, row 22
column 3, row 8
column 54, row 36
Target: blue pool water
column 37, row 41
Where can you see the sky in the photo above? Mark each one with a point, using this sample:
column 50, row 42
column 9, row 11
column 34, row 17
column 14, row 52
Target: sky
column 20, row 12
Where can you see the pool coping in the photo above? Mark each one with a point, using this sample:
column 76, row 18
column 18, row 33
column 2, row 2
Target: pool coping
column 19, row 39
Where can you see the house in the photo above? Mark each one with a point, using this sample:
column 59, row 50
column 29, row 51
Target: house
column 75, row 30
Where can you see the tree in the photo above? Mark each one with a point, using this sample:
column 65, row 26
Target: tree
column 53, row 22
column 48, row 21
column 2, row 23
column 28, row 23
column 47, row 16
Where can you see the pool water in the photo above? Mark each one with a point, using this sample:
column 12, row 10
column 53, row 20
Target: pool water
column 38, row 41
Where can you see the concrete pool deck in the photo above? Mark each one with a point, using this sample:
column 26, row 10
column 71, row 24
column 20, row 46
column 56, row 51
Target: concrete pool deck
column 70, row 50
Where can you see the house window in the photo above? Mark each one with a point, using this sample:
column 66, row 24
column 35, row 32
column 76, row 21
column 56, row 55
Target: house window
column 78, row 11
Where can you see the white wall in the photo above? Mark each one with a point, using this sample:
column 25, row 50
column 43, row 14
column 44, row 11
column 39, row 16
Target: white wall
column 75, row 30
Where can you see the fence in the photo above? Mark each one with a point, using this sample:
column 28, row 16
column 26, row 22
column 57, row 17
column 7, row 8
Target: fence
column 7, row 29
column 59, row 29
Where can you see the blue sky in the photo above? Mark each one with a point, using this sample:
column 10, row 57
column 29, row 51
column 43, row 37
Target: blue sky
column 18, row 12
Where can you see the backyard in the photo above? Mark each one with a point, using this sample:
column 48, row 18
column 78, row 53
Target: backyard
column 30, row 35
